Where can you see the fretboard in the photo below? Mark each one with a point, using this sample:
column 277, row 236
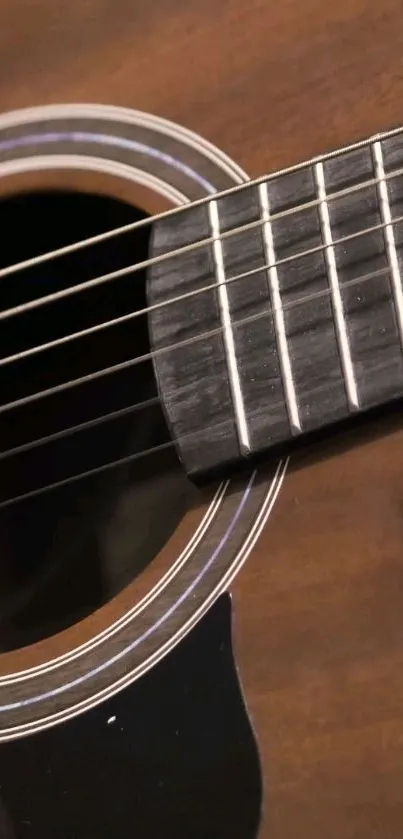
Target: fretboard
column 302, row 322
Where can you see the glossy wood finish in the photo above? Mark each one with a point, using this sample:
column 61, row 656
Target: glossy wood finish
column 317, row 609
column 318, row 635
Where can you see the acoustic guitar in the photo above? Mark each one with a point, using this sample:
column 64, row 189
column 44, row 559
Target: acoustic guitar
column 201, row 368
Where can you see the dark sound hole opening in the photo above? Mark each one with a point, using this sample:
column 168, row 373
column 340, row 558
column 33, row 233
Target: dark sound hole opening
column 66, row 551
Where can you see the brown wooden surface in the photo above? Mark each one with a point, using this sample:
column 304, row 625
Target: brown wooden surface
column 318, row 636
column 318, row 608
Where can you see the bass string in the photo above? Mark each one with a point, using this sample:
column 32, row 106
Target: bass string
column 126, row 460
column 55, row 436
column 97, row 470
column 141, row 223
column 267, row 266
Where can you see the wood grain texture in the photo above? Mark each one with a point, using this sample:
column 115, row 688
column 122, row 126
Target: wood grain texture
column 193, row 377
column 310, row 329
column 318, row 627
column 317, row 622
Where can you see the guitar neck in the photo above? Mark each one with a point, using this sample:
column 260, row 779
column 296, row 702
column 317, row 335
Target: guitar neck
column 305, row 325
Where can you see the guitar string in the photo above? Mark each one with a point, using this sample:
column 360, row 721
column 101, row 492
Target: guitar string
column 108, row 417
column 26, row 447
column 123, row 461
column 101, row 237
column 132, row 362
column 117, row 414
column 73, row 336
column 161, row 258
column 54, row 436
column 97, row 470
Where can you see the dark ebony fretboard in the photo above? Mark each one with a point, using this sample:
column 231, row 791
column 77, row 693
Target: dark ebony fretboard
column 311, row 335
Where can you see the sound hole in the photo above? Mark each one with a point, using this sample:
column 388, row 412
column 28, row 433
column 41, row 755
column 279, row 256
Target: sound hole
column 68, row 549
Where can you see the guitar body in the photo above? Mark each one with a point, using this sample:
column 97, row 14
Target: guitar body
column 314, row 563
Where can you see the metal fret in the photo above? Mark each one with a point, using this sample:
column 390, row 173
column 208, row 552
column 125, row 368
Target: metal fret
column 228, row 336
column 341, row 328
column 305, row 329
column 284, row 356
column 390, row 243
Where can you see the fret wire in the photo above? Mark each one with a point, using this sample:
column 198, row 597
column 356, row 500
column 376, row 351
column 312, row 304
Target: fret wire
column 277, row 309
column 330, row 258
column 229, row 343
column 386, row 218
column 132, row 362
